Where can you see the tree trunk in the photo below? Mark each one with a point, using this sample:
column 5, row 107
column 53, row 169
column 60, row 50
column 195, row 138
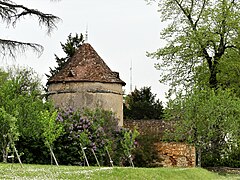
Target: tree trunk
column 213, row 73
column 199, row 163
column 5, row 154
column 213, row 79
column 5, row 147
column 198, row 157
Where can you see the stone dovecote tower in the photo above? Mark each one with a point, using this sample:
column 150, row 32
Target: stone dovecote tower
column 87, row 82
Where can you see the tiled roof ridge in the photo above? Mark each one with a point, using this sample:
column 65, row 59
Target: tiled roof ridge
column 86, row 66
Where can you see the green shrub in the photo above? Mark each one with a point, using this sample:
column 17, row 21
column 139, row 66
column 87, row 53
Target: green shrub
column 145, row 155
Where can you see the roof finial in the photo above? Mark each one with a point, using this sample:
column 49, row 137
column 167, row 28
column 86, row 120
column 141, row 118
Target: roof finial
column 86, row 35
column 131, row 77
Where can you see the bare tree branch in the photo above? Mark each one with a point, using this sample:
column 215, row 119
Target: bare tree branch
column 9, row 47
column 13, row 12
column 199, row 15
column 10, row 13
column 191, row 8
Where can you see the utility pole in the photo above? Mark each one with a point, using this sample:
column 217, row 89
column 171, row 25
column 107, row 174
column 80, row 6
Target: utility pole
column 86, row 34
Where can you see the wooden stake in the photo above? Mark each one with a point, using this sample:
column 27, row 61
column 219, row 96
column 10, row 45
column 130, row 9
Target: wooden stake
column 95, row 157
column 130, row 157
column 84, row 154
column 53, row 155
column 14, row 148
column 19, row 160
column 109, row 157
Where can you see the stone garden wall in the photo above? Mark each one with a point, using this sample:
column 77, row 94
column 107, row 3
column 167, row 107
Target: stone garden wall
column 174, row 154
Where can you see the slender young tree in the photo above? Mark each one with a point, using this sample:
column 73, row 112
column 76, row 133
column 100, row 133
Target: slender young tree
column 8, row 130
column 11, row 13
column 51, row 130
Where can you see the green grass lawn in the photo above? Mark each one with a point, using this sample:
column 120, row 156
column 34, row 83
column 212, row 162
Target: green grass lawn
column 14, row 171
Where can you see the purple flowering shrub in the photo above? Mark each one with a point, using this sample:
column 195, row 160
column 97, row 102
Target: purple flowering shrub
column 94, row 129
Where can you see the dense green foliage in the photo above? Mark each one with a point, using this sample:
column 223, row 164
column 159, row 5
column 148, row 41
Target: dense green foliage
column 145, row 155
column 14, row 171
column 21, row 96
column 209, row 119
column 142, row 104
column 199, row 34
column 20, row 104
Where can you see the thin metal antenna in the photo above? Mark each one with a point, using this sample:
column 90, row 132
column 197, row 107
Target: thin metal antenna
column 131, row 77
column 86, row 35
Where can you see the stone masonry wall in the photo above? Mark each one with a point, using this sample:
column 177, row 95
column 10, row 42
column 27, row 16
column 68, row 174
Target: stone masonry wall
column 176, row 154
column 154, row 127
column 172, row 153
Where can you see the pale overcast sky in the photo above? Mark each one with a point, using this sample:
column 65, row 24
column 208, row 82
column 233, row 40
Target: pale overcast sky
column 120, row 31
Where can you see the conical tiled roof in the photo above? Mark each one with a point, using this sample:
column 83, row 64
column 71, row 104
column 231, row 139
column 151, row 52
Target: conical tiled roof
column 86, row 66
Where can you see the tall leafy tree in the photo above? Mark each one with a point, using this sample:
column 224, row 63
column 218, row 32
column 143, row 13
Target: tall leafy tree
column 142, row 104
column 11, row 13
column 69, row 48
column 202, row 52
column 199, row 33
column 209, row 119
column 16, row 89
column 20, row 96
